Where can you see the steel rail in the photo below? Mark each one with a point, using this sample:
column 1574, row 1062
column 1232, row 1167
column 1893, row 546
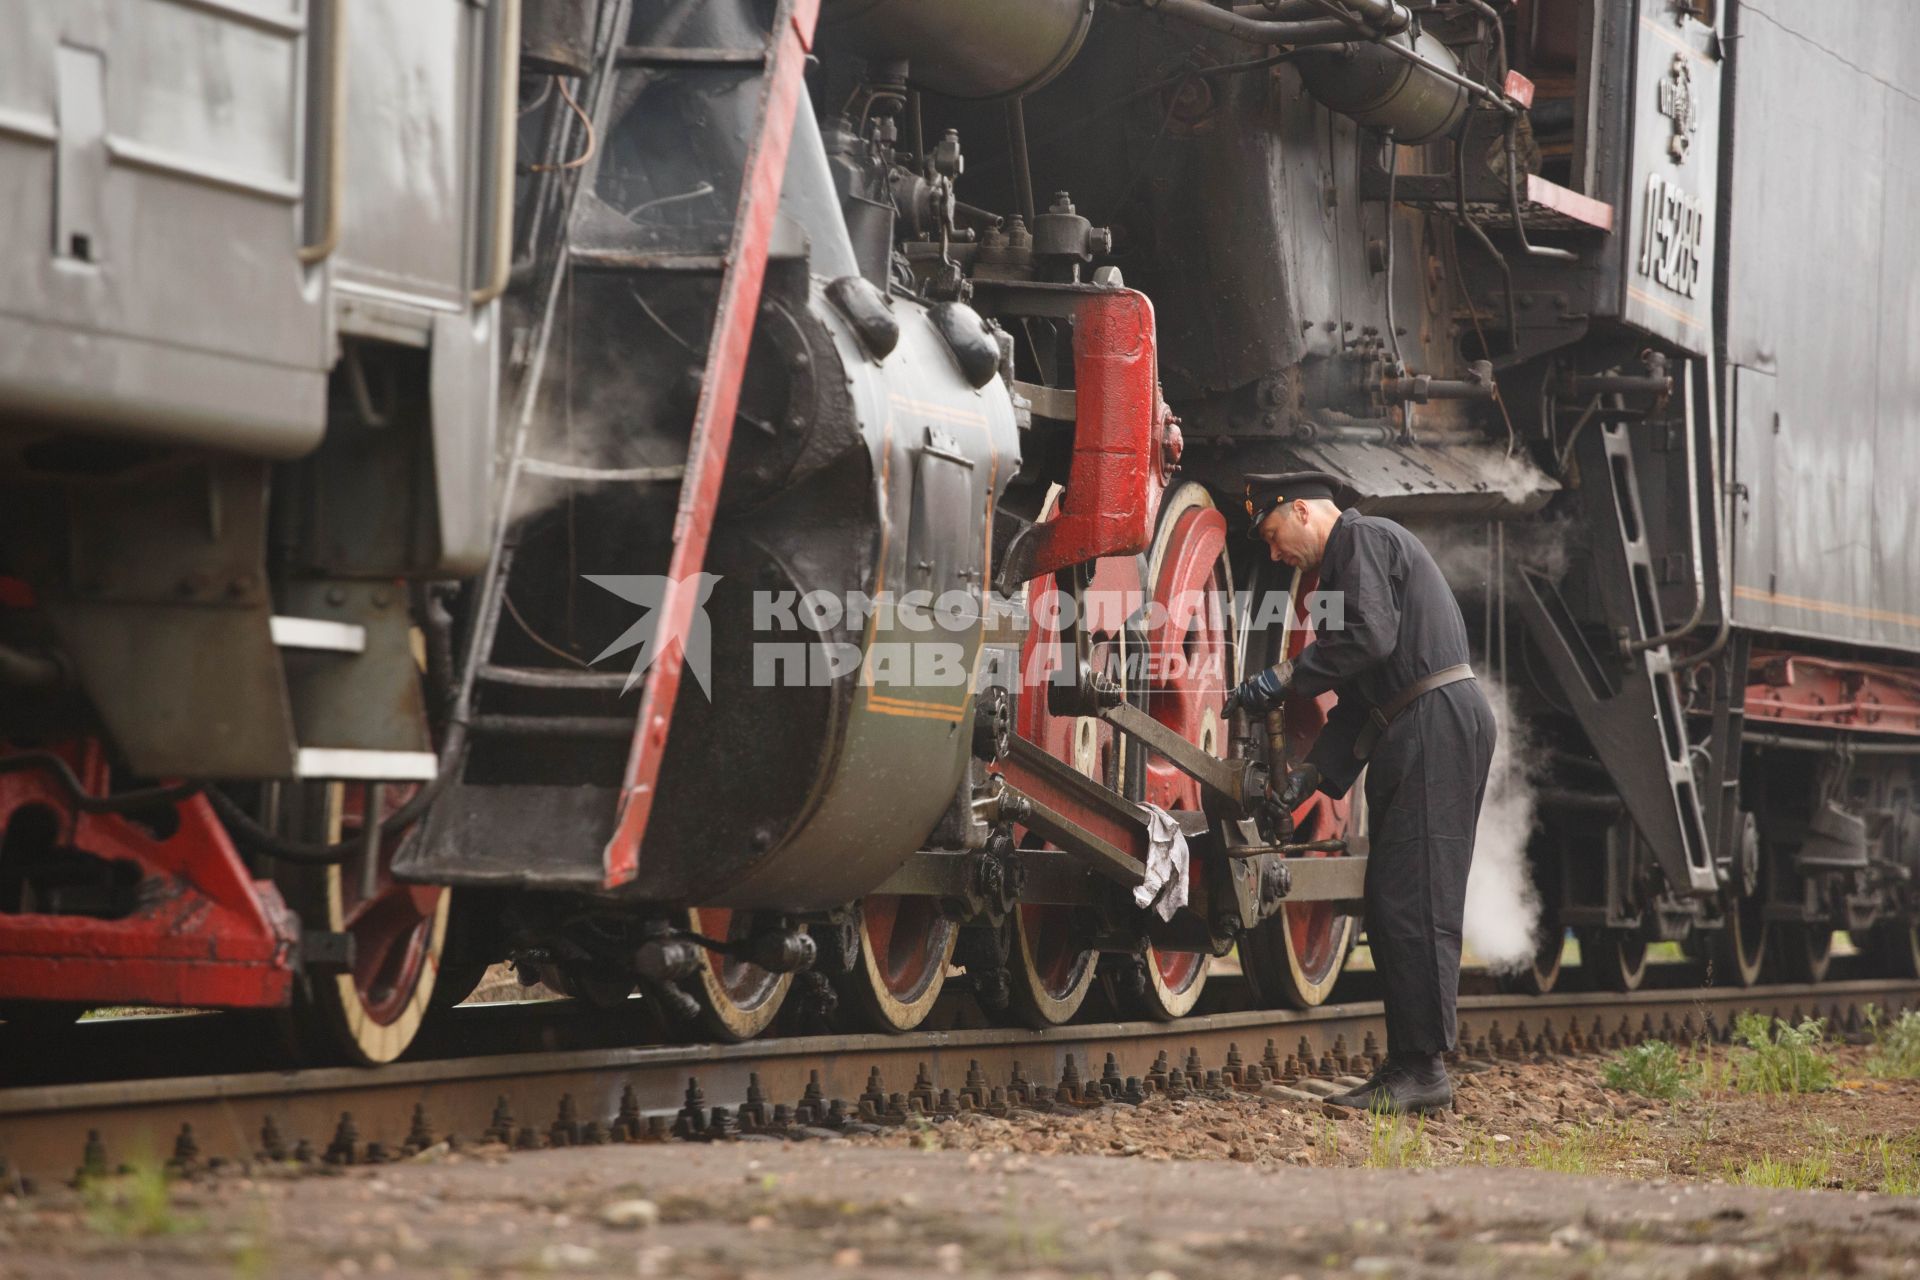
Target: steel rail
column 574, row 1097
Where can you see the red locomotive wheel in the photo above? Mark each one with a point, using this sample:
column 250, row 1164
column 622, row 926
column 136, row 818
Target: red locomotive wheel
column 738, row 999
column 370, row 1013
column 1295, row 957
column 1051, row 974
column 906, row 944
column 1188, row 667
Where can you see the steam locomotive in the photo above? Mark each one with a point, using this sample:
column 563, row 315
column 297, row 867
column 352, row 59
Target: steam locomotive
column 739, row 501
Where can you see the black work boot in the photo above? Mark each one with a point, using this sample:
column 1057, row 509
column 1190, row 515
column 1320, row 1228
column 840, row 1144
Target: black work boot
column 1406, row 1083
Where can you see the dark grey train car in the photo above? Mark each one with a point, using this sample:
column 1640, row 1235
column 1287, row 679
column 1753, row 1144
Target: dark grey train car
column 248, row 260
column 1822, row 320
column 1820, row 335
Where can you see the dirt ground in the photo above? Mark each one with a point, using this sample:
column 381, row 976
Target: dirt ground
column 1542, row 1170
column 1555, row 1116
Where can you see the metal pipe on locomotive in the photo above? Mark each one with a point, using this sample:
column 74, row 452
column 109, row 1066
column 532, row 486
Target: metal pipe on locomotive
column 440, row 554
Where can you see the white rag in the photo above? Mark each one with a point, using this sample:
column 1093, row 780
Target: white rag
column 1165, row 888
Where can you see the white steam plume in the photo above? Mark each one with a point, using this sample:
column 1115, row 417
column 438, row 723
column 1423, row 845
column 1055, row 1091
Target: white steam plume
column 1503, row 909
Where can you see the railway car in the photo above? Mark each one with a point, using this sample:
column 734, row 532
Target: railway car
column 738, row 502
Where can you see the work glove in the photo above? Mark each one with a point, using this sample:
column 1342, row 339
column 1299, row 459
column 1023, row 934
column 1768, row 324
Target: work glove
column 1298, row 785
column 1290, row 795
column 1263, row 692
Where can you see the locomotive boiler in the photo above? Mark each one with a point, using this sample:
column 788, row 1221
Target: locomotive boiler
column 737, row 502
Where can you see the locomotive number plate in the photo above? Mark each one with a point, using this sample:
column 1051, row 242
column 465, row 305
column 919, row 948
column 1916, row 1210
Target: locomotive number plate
column 1673, row 234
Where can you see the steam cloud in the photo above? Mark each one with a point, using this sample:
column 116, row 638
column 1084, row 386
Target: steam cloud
column 1503, row 908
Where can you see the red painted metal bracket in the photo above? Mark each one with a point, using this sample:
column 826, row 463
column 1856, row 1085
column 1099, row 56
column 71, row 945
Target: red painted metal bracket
column 1827, row 693
column 712, row 435
column 202, row 933
column 1125, row 441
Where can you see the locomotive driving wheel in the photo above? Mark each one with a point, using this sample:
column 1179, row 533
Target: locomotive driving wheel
column 1802, row 952
column 1189, row 667
column 1614, row 959
column 1542, row 973
column 1050, row 973
column 1738, row 951
column 1894, row 948
column 369, row 1012
column 906, row 944
column 1295, row 956
column 738, row 999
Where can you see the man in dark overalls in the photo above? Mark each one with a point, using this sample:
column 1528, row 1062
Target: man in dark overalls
column 1412, row 715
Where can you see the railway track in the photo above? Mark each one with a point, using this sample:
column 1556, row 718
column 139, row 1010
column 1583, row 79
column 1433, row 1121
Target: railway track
column 354, row 1115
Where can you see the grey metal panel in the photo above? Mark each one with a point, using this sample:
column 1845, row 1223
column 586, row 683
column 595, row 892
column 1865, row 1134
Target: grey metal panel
column 1895, row 468
column 1421, row 479
column 149, row 183
column 364, row 701
column 1823, row 292
column 135, row 386
column 412, row 125
column 465, row 397
column 155, row 593
column 417, row 111
column 1755, row 480
column 1667, row 220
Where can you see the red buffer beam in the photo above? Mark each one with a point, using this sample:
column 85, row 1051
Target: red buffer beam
column 97, row 908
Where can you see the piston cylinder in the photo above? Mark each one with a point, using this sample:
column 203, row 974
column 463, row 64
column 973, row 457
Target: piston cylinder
column 963, row 48
column 1385, row 91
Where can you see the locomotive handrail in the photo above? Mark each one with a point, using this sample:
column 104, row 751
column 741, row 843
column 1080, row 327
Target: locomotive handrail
column 320, row 250
column 1692, row 623
column 506, row 128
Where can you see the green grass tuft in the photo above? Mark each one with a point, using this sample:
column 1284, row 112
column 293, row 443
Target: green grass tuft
column 1652, row 1070
column 1394, row 1143
column 1576, row 1151
column 135, row 1204
column 1896, row 1046
column 1779, row 1058
column 1801, row 1174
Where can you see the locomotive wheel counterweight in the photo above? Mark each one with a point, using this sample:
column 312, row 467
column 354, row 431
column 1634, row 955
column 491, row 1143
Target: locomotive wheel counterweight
column 1295, row 956
column 906, row 944
column 1189, row 665
column 369, row 1013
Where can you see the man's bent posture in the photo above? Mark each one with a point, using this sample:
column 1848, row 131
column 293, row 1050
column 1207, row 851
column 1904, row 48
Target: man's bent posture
column 1412, row 715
